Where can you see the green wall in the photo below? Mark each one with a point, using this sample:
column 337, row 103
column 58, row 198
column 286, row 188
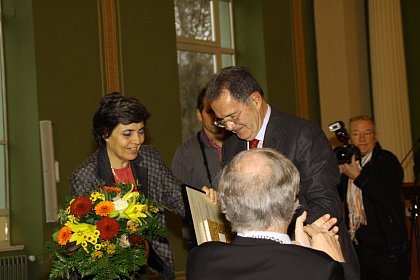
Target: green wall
column 26, row 196
column 411, row 21
column 150, row 67
column 264, row 43
column 248, row 24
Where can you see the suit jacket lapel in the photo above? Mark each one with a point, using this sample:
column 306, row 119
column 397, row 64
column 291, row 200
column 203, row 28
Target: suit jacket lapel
column 106, row 177
column 232, row 147
column 104, row 167
column 140, row 173
column 271, row 137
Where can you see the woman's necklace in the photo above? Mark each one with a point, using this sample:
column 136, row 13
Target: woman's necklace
column 124, row 174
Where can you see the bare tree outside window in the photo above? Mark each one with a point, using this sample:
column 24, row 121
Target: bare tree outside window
column 205, row 44
column 193, row 19
column 194, row 69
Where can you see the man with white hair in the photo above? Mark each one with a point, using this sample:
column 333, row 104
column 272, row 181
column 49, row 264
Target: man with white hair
column 257, row 193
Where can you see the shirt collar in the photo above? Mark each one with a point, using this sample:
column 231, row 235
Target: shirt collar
column 261, row 133
column 270, row 235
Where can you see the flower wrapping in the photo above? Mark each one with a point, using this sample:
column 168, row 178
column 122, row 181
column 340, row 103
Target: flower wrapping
column 105, row 235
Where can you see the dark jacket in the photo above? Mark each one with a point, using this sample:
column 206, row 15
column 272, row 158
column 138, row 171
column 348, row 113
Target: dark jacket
column 189, row 164
column 381, row 183
column 255, row 259
column 156, row 182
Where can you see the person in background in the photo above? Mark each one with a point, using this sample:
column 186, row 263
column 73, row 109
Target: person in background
column 371, row 189
column 198, row 160
column 258, row 195
column 119, row 126
column 238, row 102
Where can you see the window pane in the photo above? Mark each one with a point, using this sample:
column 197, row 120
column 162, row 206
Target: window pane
column 4, row 228
column 227, row 60
column 195, row 70
column 2, row 128
column 225, row 24
column 3, row 203
column 193, row 19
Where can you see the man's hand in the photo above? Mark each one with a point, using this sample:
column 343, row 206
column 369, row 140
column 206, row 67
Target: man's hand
column 320, row 235
column 325, row 222
column 351, row 170
column 210, row 193
column 301, row 237
column 325, row 240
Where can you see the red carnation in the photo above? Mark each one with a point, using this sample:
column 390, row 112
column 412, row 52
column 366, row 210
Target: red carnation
column 136, row 239
column 108, row 228
column 80, row 206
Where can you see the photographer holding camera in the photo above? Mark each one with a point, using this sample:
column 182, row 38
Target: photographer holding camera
column 370, row 185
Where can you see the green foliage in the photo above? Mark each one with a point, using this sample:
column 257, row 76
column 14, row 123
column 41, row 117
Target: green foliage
column 121, row 264
column 78, row 247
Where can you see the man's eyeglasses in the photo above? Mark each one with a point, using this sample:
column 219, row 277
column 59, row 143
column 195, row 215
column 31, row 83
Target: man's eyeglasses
column 232, row 118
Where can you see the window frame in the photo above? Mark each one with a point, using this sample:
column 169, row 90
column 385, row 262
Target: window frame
column 5, row 212
column 211, row 46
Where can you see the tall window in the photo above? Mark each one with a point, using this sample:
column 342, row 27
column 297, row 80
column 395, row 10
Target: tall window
column 4, row 195
column 204, row 30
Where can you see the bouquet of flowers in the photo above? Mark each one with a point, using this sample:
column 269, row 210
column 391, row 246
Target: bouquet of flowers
column 105, row 235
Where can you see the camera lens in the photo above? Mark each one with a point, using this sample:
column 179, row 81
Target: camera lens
column 343, row 154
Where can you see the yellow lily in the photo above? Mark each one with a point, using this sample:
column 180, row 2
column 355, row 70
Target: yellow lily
column 130, row 194
column 134, row 212
column 126, row 207
column 81, row 231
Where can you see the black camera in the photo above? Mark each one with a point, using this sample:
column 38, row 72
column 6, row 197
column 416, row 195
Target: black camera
column 346, row 151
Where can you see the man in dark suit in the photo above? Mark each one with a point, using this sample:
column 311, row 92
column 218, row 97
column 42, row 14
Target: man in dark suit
column 238, row 101
column 257, row 193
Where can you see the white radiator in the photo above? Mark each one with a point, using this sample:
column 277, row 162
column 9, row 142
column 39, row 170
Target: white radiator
column 14, row 268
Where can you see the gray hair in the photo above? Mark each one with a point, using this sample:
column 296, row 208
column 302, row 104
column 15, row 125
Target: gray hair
column 363, row 118
column 258, row 189
column 237, row 80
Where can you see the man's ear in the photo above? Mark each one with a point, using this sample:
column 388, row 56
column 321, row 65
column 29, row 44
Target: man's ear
column 198, row 115
column 255, row 97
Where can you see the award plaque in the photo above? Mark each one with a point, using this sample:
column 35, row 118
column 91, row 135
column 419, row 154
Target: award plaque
column 206, row 220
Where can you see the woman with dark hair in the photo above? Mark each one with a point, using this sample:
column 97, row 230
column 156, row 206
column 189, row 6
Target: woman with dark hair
column 119, row 130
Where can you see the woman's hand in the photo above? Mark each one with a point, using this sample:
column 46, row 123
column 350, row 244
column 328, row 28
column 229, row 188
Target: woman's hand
column 210, row 193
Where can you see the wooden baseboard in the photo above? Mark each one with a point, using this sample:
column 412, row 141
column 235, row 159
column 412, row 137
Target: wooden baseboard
column 179, row 275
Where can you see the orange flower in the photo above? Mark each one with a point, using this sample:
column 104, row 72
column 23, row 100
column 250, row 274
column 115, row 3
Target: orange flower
column 97, row 255
column 64, row 235
column 111, row 249
column 80, row 206
column 108, row 228
column 112, row 189
column 104, row 208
